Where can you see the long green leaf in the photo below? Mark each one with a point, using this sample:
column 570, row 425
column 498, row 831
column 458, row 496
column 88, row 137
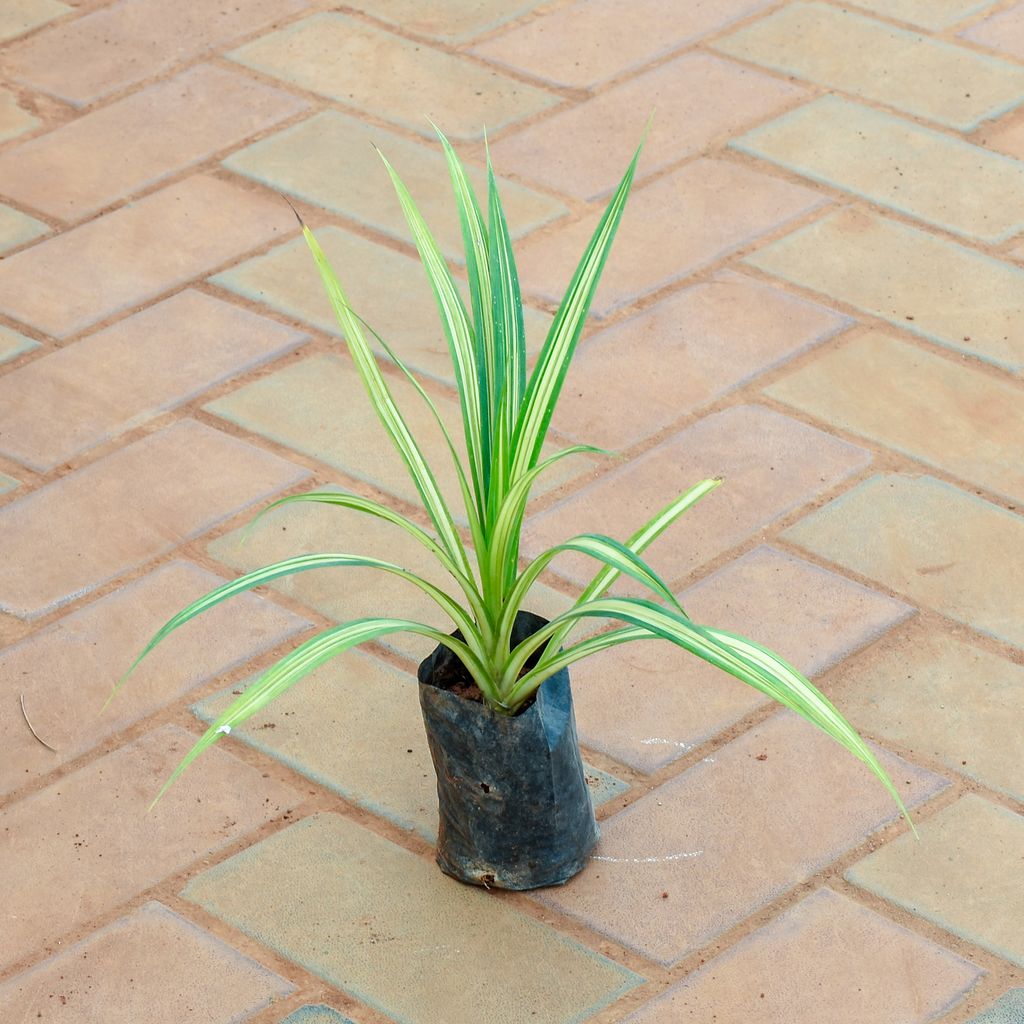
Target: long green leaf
column 386, row 409
column 549, row 373
column 457, row 329
column 638, row 543
column 509, row 341
column 289, row 567
column 303, row 660
column 741, row 658
column 503, row 546
column 488, row 354
column 468, row 499
column 606, row 550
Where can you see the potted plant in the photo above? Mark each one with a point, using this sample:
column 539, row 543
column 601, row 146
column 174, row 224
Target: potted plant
column 514, row 808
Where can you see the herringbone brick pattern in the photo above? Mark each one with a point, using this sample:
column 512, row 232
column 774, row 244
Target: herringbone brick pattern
column 817, row 291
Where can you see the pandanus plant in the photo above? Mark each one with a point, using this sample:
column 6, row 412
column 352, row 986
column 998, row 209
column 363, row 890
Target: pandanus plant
column 506, row 413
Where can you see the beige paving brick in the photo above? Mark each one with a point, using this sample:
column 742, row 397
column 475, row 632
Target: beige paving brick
column 391, row 930
column 590, row 41
column 772, row 464
column 964, row 875
column 330, row 160
column 940, row 697
column 17, row 228
column 13, row 344
column 636, row 378
column 812, row 617
column 443, row 19
column 896, row 163
column 133, row 254
column 821, row 960
column 132, row 970
column 13, row 119
column 76, row 533
column 88, row 836
column 286, row 280
column 843, row 50
column 931, row 14
column 1003, row 31
column 678, row 224
column 83, row 165
column 104, row 51
column 95, row 646
column 953, row 417
column 698, row 99
column 924, row 538
column 77, row 397
column 299, row 407
column 954, row 296
column 806, row 802
column 393, row 78
column 20, row 16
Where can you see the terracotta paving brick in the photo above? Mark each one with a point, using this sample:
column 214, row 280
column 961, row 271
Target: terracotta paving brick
column 932, row 14
column 954, row 296
column 807, row 802
column 391, row 930
column 812, row 617
column 842, row 50
column 1006, row 135
column 17, row 228
column 954, row 417
column 104, row 51
column 942, row 698
column 89, row 838
column 821, row 960
column 13, row 344
column 77, row 397
column 964, row 874
column 330, row 160
column 1007, row 1009
column 318, row 730
column 130, row 506
column 896, row 163
column 132, row 970
column 442, row 19
column 939, row 546
column 384, row 75
column 772, row 465
column 1004, row 31
column 298, row 407
column 723, row 206
column 286, row 280
column 13, row 119
column 342, row 595
column 82, row 166
column 589, row 41
column 130, row 256
column 95, row 646
column 681, row 354
column 20, row 16
column 698, row 99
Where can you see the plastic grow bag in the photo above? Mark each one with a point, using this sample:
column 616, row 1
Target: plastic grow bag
column 515, row 810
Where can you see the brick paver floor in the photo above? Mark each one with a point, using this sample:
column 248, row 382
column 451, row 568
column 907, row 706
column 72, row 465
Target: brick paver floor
column 817, row 291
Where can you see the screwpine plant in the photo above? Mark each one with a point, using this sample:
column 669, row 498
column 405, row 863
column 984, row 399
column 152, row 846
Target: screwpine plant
column 505, row 416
